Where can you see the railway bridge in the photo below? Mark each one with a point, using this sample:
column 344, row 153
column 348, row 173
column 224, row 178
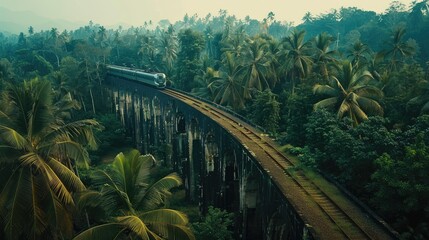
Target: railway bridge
column 227, row 163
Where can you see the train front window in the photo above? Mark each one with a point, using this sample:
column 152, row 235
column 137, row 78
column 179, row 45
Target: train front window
column 160, row 78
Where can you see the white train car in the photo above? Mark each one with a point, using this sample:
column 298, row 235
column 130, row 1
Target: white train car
column 157, row 80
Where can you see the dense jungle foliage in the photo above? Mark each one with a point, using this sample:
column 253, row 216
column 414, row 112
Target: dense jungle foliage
column 348, row 90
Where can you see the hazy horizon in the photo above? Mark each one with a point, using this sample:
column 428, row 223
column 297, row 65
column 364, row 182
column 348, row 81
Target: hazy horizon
column 134, row 12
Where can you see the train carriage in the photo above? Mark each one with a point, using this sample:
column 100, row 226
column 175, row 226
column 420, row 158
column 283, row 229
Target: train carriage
column 157, row 80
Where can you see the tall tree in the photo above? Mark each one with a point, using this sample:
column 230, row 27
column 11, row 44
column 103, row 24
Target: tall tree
column 351, row 94
column 398, row 49
column 188, row 59
column 229, row 89
column 38, row 149
column 206, row 89
column 323, row 55
column 168, row 48
column 256, row 61
column 296, row 55
column 359, row 53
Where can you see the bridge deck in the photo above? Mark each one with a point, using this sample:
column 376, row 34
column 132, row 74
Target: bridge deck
column 328, row 216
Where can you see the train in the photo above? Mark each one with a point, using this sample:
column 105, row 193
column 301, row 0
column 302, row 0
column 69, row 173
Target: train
column 157, row 80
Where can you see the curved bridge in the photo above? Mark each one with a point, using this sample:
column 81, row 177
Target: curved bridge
column 227, row 163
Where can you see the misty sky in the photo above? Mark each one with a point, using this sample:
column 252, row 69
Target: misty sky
column 136, row 12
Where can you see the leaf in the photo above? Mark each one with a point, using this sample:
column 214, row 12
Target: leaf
column 68, row 177
column 12, row 137
column 102, row 232
column 173, row 231
column 325, row 90
column 370, row 106
column 344, row 107
column 63, row 149
column 326, row 103
column 56, row 185
column 169, row 216
column 88, row 198
column 157, row 192
column 136, row 225
column 15, row 201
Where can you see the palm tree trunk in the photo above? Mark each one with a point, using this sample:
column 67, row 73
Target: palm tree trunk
column 90, row 89
column 92, row 100
column 83, row 103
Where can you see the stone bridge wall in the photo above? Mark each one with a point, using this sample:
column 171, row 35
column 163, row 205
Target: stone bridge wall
column 216, row 169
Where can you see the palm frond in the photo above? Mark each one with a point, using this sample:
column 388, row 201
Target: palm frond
column 59, row 216
column 56, row 185
column 65, row 148
column 370, row 106
column 102, row 232
column 173, row 231
column 143, row 174
column 164, row 215
column 344, row 107
column 64, row 105
column 157, row 192
column 67, row 176
column 88, row 198
column 326, row 103
column 113, row 200
column 113, row 195
column 126, row 165
column 136, row 225
column 360, row 77
column 31, row 159
column 79, row 131
column 325, row 90
column 15, row 202
column 358, row 113
column 12, row 137
column 369, row 91
column 39, row 118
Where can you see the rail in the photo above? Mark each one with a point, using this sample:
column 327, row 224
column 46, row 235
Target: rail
column 350, row 226
column 223, row 108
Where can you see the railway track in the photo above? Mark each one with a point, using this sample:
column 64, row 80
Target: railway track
column 337, row 216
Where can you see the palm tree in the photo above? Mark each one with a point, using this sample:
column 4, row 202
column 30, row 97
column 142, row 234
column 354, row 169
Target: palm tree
column 148, row 52
column 229, row 89
column 323, row 56
column 308, row 18
column 296, row 55
column 351, row 93
column 102, row 37
column 38, row 149
column 359, row 54
column 256, row 65
column 234, row 42
column 398, row 49
column 134, row 205
column 168, row 46
column 30, row 30
column 207, row 89
column 116, row 43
